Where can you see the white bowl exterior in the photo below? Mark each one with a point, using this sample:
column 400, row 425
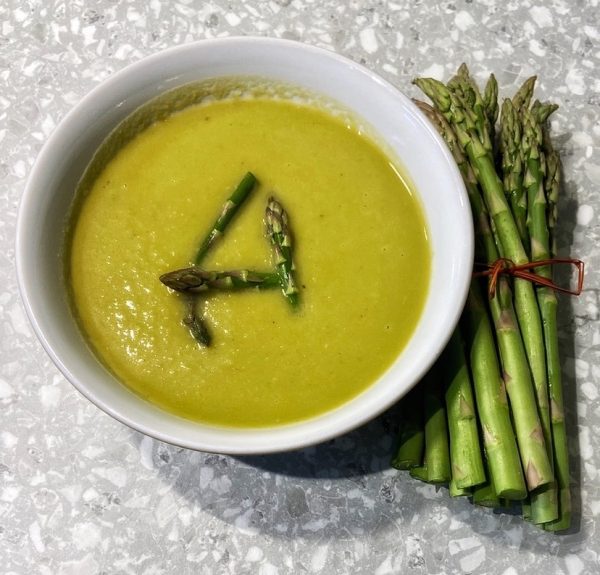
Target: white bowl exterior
column 49, row 194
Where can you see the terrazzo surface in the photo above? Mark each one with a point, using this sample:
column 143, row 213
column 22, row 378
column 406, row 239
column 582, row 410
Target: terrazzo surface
column 82, row 494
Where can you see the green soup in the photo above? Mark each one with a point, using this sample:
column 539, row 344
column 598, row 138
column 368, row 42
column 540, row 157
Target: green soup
column 361, row 252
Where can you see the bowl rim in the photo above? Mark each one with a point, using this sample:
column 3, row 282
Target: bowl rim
column 28, row 197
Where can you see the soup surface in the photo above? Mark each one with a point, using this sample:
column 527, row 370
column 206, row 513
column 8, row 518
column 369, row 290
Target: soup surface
column 361, row 254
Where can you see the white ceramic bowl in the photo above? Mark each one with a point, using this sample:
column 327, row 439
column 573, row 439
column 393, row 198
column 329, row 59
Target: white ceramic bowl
column 52, row 182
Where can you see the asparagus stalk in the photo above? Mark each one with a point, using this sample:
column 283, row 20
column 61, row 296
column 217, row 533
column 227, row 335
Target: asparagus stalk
column 195, row 280
column 411, row 437
column 458, row 491
column 465, row 452
column 543, row 110
column 228, row 211
column 559, row 433
column 278, row 231
column 542, row 223
column 492, row 405
column 195, row 324
column 517, row 375
column 522, row 98
column 437, row 454
column 466, row 90
column 468, row 128
column 512, row 166
column 552, row 187
column 420, row 472
column 490, row 102
column 513, row 356
column 472, row 136
column 484, row 105
column 485, row 495
column 536, row 197
column 544, row 503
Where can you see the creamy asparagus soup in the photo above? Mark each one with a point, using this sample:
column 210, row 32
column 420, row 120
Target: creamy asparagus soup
column 360, row 249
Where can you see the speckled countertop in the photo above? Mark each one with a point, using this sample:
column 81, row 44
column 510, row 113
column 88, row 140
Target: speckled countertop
column 82, row 494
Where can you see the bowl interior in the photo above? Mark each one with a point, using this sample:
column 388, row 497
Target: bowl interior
column 49, row 195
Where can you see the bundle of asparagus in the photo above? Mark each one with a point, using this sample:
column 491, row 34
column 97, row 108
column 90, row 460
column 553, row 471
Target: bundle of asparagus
column 499, row 378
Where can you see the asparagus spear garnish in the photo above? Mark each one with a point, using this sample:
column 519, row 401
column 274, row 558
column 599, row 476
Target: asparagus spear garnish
column 278, row 231
column 472, row 136
column 228, row 211
column 195, row 324
column 411, row 436
column 437, row 454
column 544, row 502
column 465, row 452
column 196, row 280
